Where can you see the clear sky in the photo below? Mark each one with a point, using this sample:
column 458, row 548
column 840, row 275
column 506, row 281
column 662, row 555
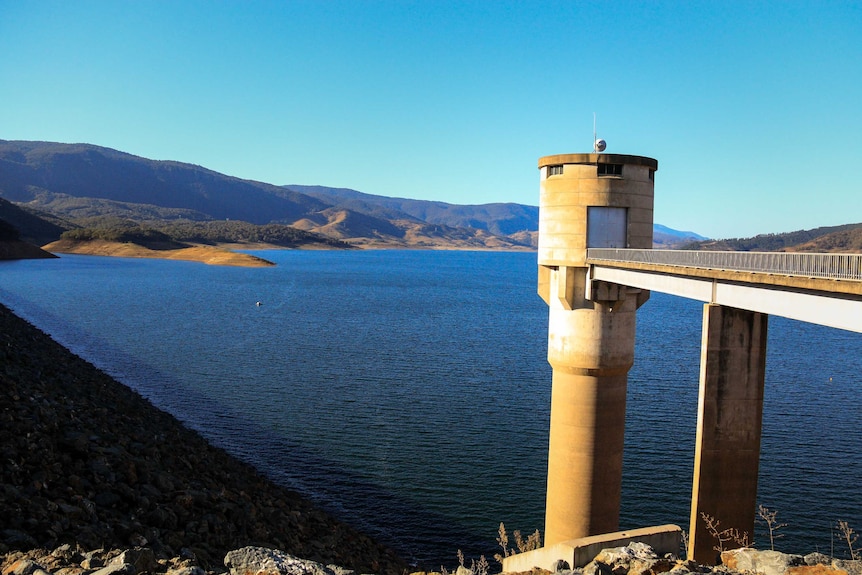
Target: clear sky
column 752, row 109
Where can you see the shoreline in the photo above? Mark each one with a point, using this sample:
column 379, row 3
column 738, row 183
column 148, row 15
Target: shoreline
column 95, row 465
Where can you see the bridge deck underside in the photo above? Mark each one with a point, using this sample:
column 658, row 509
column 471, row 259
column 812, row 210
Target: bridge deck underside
column 824, row 302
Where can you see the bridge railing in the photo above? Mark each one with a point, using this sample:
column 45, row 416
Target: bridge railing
column 834, row 266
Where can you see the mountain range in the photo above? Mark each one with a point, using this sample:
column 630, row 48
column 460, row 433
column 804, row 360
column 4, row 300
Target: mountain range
column 48, row 189
column 67, row 186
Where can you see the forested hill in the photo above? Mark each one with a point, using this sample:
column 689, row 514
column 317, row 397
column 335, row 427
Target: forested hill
column 36, row 228
column 57, row 177
column 844, row 238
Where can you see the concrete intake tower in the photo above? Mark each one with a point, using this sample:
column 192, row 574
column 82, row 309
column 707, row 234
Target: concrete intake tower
column 589, row 201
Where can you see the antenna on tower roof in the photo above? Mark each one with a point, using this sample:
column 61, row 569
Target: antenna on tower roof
column 599, row 145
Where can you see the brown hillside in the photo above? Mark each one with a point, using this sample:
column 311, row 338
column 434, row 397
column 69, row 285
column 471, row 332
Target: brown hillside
column 204, row 254
column 846, row 241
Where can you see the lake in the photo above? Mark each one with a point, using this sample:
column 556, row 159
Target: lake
column 408, row 392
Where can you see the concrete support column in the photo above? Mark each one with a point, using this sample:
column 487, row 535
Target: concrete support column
column 589, row 201
column 591, row 350
column 730, row 414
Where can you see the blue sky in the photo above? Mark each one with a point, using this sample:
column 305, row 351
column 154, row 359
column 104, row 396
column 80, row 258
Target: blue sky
column 752, row 109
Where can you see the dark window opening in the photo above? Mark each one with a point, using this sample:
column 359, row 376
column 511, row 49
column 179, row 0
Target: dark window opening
column 610, row 169
column 652, row 175
column 555, row 170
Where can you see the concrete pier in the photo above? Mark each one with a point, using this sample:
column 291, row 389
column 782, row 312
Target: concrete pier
column 729, row 419
column 589, row 200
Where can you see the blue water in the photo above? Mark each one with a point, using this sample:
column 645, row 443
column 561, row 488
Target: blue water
column 408, row 391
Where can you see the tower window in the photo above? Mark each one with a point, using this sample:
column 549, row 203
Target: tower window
column 555, row 170
column 610, row 169
column 652, row 175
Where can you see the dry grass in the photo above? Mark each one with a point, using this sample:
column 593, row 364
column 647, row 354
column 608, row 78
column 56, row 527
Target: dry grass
column 204, row 254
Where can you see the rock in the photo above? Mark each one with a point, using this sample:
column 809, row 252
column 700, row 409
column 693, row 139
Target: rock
column 17, row 538
column 748, row 560
column 192, row 570
column 817, row 559
column 142, row 559
column 619, row 555
column 116, row 569
column 819, row 569
column 22, row 567
column 635, row 559
column 852, row 567
column 264, row 561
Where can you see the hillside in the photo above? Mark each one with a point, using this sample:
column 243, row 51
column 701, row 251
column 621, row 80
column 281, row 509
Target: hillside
column 78, row 181
column 130, row 249
column 47, row 189
column 665, row 237
column 845, row 238
column 71, row 184
column 35, row 228
column 846, row 241
column 48, row 175
column 502, row 219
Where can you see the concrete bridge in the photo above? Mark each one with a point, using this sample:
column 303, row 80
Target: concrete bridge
column 596, row 268
column 740, row 289
column 825, row 289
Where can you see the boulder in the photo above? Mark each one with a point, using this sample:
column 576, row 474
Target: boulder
column 264, row 561
column 853, row 567
column 819, row 569
column 634, row 559
column 747, row 560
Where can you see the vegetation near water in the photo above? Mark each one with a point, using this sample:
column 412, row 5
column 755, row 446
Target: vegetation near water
column 213, row 232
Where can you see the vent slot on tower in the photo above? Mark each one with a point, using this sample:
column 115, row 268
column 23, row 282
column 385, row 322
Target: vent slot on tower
column 610, row 170
column 555, row 170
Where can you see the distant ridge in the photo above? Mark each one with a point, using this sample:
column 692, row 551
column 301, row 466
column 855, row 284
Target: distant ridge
column 48, row 176
column 78, row 182
column 82, row 185
column 844, row 238
column 498, row 218
column 665, row 237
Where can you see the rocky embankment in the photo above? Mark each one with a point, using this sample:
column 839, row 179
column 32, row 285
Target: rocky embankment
column 634, row 559
column 640, row 559
column 86, row 464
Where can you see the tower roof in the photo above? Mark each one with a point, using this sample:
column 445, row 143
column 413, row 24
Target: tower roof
column 597, row 159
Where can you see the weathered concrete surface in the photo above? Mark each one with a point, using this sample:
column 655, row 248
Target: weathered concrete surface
column 564, row 200
column 661, row 539
column 730, row 414
column 591, row 331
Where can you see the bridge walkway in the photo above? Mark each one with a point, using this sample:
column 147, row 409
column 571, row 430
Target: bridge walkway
column 824, row 289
